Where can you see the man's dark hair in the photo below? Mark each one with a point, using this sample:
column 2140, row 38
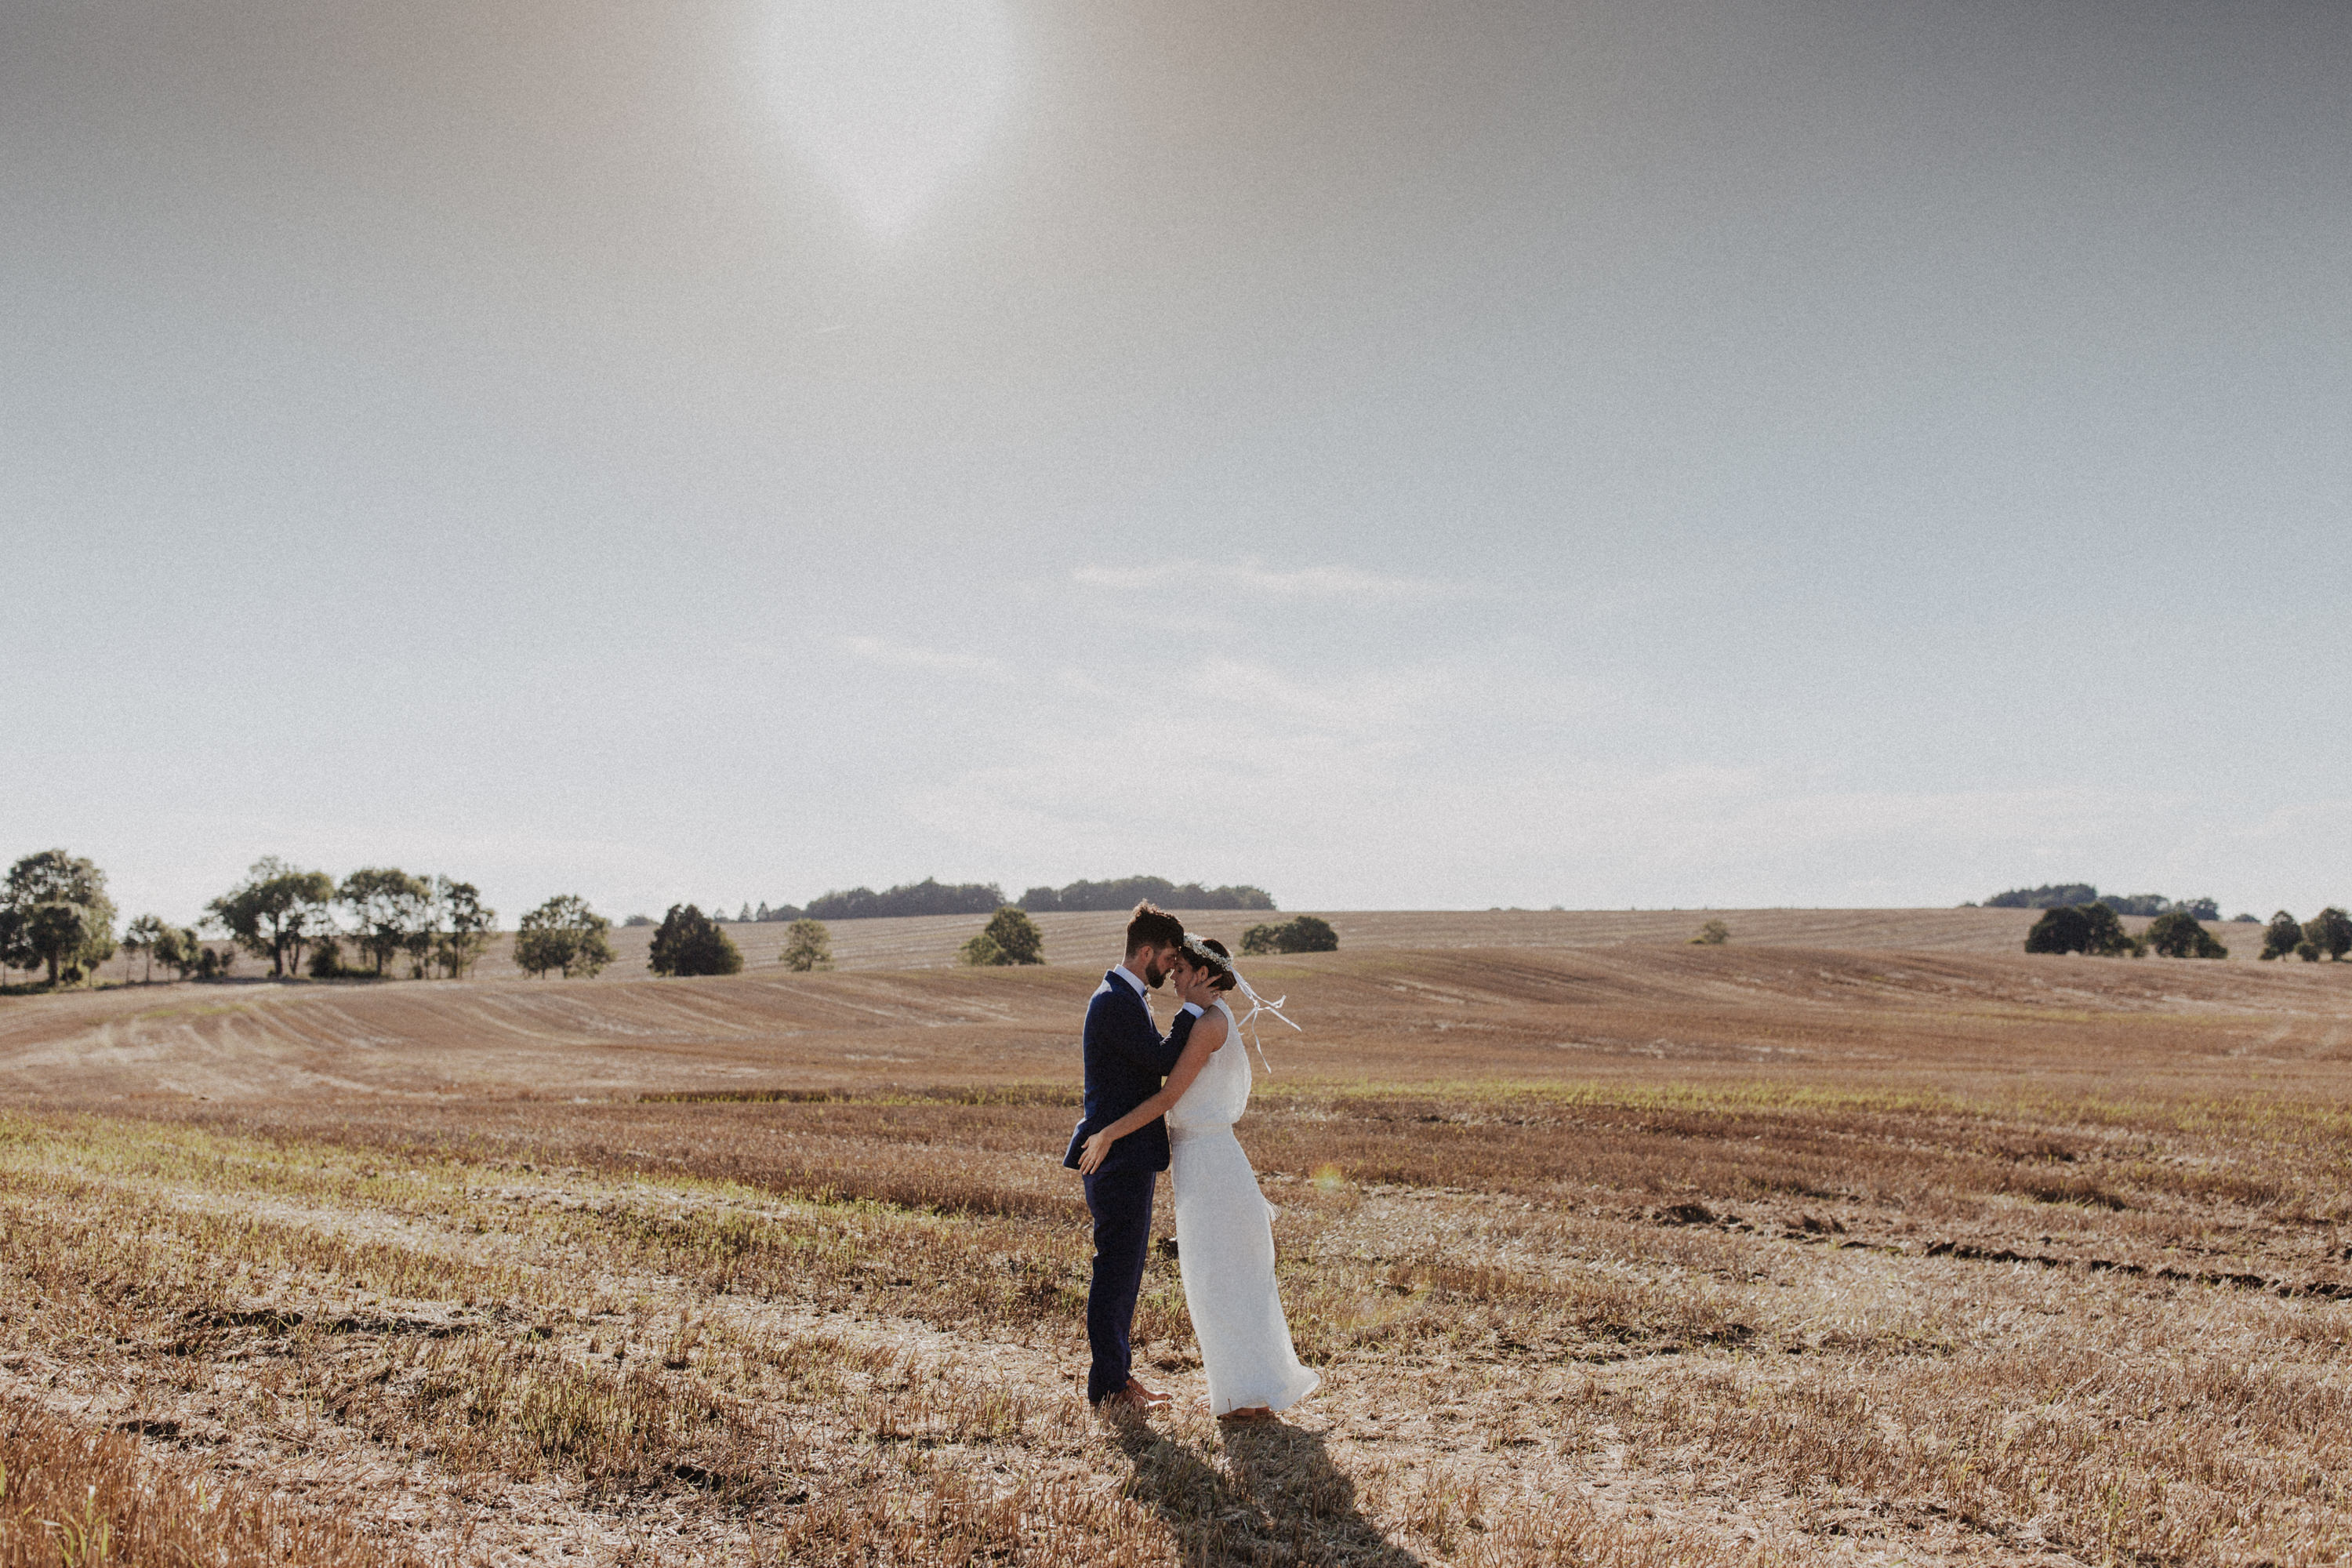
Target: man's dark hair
column 1151, row 926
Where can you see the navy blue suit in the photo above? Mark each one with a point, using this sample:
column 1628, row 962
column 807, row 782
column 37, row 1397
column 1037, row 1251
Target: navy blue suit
column 1127, row 1060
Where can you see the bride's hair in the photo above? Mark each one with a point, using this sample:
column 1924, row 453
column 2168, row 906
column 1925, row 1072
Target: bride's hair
column 1208, row 952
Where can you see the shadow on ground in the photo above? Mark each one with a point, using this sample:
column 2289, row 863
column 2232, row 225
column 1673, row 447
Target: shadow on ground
column 1282, row 1502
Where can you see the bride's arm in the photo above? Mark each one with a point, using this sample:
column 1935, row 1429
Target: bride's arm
column 1208, row 1033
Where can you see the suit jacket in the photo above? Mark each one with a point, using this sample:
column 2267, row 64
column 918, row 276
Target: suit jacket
column 1126, row 1061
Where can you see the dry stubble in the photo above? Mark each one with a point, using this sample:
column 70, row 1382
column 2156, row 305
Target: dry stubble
column 1778, row 1258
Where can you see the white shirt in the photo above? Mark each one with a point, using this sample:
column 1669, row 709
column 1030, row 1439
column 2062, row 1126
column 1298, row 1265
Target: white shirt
column 1133, row 978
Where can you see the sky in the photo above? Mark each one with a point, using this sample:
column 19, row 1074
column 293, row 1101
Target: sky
column 1401, row 455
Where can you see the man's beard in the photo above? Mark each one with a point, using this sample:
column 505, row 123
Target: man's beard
column 1153, row 976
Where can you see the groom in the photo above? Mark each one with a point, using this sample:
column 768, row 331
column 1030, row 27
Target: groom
column 1126, row 1057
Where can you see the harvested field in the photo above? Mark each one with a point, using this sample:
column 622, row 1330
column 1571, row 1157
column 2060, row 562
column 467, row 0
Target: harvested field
column 1609, row 1253
column 932, row 941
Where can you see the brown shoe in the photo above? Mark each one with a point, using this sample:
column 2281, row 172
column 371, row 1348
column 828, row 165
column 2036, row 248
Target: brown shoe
column 1149, row 1398
column 1126, row 1402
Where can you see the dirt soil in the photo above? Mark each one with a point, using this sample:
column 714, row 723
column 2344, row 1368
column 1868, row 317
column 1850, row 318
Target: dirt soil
column 1614, row 1252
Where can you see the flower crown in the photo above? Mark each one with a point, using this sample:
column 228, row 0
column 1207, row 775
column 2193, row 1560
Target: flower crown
column 1203, row 956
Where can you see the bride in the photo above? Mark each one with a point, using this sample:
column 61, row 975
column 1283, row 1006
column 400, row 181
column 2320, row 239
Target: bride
column 1224, row 1228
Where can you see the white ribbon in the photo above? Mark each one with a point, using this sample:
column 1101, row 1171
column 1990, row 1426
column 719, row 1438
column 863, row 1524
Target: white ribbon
column 1247, row 1022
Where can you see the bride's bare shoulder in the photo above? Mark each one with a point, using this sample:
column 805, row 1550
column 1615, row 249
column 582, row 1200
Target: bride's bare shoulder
column 1210, row 1026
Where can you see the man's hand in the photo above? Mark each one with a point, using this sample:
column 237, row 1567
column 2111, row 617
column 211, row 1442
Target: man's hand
column 1097, row 1151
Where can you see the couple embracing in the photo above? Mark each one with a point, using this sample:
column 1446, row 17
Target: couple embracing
column 1154, row 1101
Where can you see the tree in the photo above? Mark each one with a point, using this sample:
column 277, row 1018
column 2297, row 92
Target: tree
column 1714, row 934
column 275, row 911
column 2330, row 931
column 61, row 936
column 1300, row 934
column 2108, row 938
column 1009, row 937
column 388, row 906
column 2176, row 934
column 144, row 935
column 2282, row 936
column 807, row 946
column 178, row 950
column 326, row 960
column 688, row 942
column 1307, row 933
column 2061, row 929
column 565, row 935
column 54, row 914
column 463, row 926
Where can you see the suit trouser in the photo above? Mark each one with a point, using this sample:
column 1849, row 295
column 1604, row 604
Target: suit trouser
column 1120, row 1202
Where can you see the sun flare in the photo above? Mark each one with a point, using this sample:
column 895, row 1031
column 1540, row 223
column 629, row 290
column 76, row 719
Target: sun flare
column 889, row 99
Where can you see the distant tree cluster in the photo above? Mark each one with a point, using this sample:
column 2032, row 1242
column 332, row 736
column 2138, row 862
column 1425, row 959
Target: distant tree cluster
column 179, row 949
column 1300, row 934
column 55, row 914
column 2095, row 929
column 1009, row 937
column 932, row 897
column 928, row 897
column 2328, row 934
column 1714, row 933
column 688, row 942
column 2079, row 895
column 386, row 914
column 1124, row 893
column 2176, row 934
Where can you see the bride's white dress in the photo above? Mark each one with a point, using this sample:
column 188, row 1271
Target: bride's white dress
column 1225, row 1242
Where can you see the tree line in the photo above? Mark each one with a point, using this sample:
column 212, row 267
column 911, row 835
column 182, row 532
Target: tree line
column 2081, row 895
column 56, row 916
column 1123, row 893
column 1011, row 937
column 382, row 921
column 2328, row 934
column 386, row 915
column 932, row 897
column 928, row 897
column 2095, row 929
